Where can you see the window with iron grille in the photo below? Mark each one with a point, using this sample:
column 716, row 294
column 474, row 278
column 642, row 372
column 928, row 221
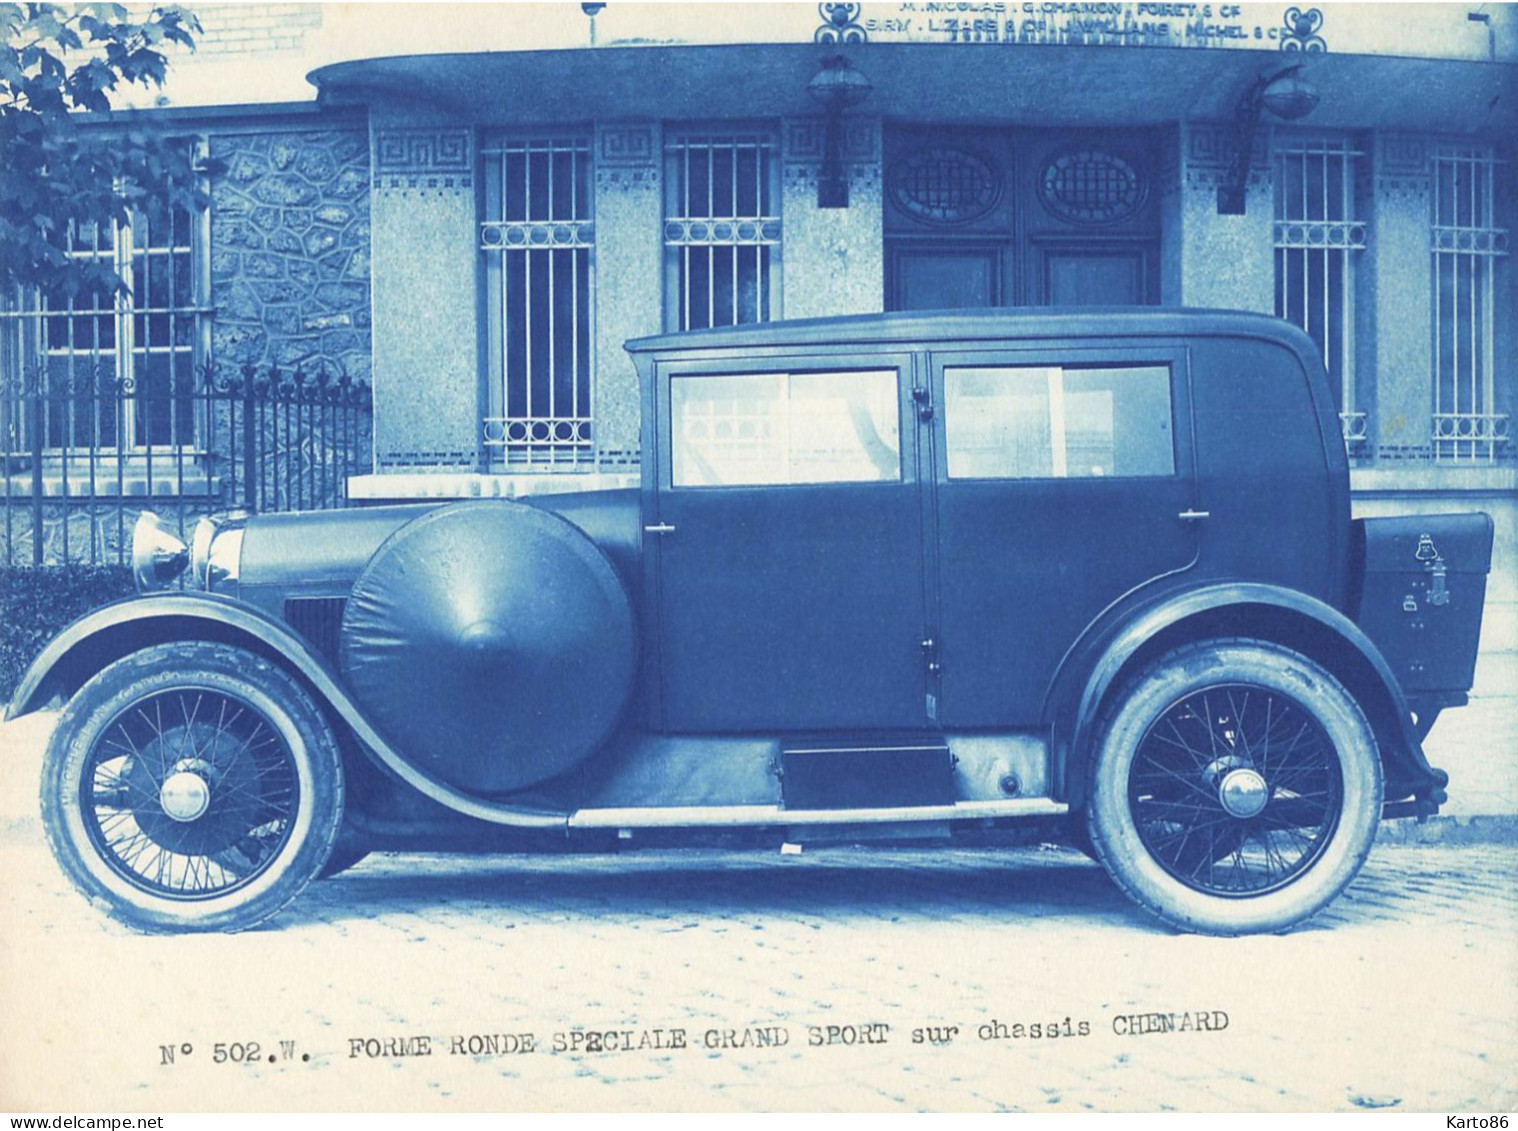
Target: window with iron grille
column 538, row 239
column 115, row 371
column 721, row 228
column 1317, row 238
column 1467, row 249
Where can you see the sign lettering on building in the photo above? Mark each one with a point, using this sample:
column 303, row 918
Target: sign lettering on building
column 1106, row 24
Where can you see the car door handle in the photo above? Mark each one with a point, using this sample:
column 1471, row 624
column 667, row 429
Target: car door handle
column 659, row 528
column 1193, row 516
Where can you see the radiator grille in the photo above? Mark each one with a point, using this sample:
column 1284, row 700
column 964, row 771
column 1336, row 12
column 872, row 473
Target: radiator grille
column 320, row 621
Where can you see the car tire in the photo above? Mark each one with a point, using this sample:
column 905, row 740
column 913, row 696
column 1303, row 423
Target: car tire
column 192, row 787
column 1236, row 788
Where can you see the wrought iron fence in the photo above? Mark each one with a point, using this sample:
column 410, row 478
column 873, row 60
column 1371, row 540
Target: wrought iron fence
column 82, row 453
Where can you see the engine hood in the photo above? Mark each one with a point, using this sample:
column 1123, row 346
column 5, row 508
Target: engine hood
column 316, row 551
column 321, row 553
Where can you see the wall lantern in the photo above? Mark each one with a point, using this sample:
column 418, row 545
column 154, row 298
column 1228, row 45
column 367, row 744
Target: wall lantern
column 836, row 87
column 1286, row 95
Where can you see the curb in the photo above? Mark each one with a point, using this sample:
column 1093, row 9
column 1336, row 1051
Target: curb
column 1451, row 831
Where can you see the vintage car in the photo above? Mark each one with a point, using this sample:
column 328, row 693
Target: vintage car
column 894, row 575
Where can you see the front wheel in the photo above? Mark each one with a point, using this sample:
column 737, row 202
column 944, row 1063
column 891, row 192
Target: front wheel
column 192, row 787
column 1237, row 788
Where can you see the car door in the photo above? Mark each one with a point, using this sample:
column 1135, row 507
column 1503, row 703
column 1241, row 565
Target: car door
column 1063, row 481
column 787, row 542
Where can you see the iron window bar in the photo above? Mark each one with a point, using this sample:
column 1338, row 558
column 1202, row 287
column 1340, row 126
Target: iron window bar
column 1316, row 234
column 1465, row 244
column 722, row 227
column 538, row 236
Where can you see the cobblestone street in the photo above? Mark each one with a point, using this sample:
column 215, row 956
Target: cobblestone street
column 1402, row 995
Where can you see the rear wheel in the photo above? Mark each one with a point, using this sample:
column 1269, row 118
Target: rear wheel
column 1237, row 788
column 192, row 787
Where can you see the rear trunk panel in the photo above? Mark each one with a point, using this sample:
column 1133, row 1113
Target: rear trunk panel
column 1422, row 587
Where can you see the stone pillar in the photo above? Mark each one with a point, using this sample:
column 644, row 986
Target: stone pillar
column 1207, row 259
column 426, row 313
column 1394, row 335
column 629, row 212
column 832, row 259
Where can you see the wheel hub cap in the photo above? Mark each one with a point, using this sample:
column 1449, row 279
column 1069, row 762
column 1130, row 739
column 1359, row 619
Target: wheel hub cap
column 185, row 796
column 1243, row 793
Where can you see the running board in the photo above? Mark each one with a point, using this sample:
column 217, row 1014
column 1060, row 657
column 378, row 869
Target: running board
column 758, row 816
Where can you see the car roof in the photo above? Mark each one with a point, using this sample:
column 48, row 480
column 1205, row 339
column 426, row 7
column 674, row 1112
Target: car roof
column 989, row 324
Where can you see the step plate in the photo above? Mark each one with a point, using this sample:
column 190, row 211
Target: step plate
column 866, row 777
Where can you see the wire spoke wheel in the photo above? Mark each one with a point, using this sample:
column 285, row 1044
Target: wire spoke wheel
column 1235, row 789
column 192, row 787
column 190, row 793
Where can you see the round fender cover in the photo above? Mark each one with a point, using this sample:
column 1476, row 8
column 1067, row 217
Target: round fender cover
column 491, row 643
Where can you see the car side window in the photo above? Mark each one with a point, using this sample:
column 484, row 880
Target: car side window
column 1058, row 422
column 744, row 429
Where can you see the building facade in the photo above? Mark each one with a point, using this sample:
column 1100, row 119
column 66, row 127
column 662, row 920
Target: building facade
column 473, row 208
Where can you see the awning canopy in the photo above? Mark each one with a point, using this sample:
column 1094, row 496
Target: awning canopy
column 966, row 83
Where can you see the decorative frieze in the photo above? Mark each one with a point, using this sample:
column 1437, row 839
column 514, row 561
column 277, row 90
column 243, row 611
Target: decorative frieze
column 805, row 140
column 628, row 179
column 803, row 151
column 1206, row 178
column 434, row 159
column 624, row 458
column 1410, row 191
column 627, row 157
column 621, row 144
column 1208, row 145
column 1206, row 154
column 442, row 460
column 1401, row 173
column 1404, row 453
column 1402, row 155
column 803, row 178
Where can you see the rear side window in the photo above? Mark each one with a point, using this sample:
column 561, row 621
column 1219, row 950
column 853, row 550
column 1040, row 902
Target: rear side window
column 747, row 429
column 1058, row 422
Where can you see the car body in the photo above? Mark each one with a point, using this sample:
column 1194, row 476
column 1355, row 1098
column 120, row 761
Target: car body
column 884, row 574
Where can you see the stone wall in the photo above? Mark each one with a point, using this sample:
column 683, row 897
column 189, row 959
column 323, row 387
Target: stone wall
column 290, row 250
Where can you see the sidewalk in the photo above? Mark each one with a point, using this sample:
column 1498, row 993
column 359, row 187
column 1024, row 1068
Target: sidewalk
column 1477, row 745
column 1400, row 996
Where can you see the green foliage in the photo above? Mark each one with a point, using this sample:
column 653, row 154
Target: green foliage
column 35, row 604
column 59, row 65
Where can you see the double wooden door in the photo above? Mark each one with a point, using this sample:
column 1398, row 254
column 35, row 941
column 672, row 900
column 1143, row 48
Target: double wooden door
column 978, row 218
